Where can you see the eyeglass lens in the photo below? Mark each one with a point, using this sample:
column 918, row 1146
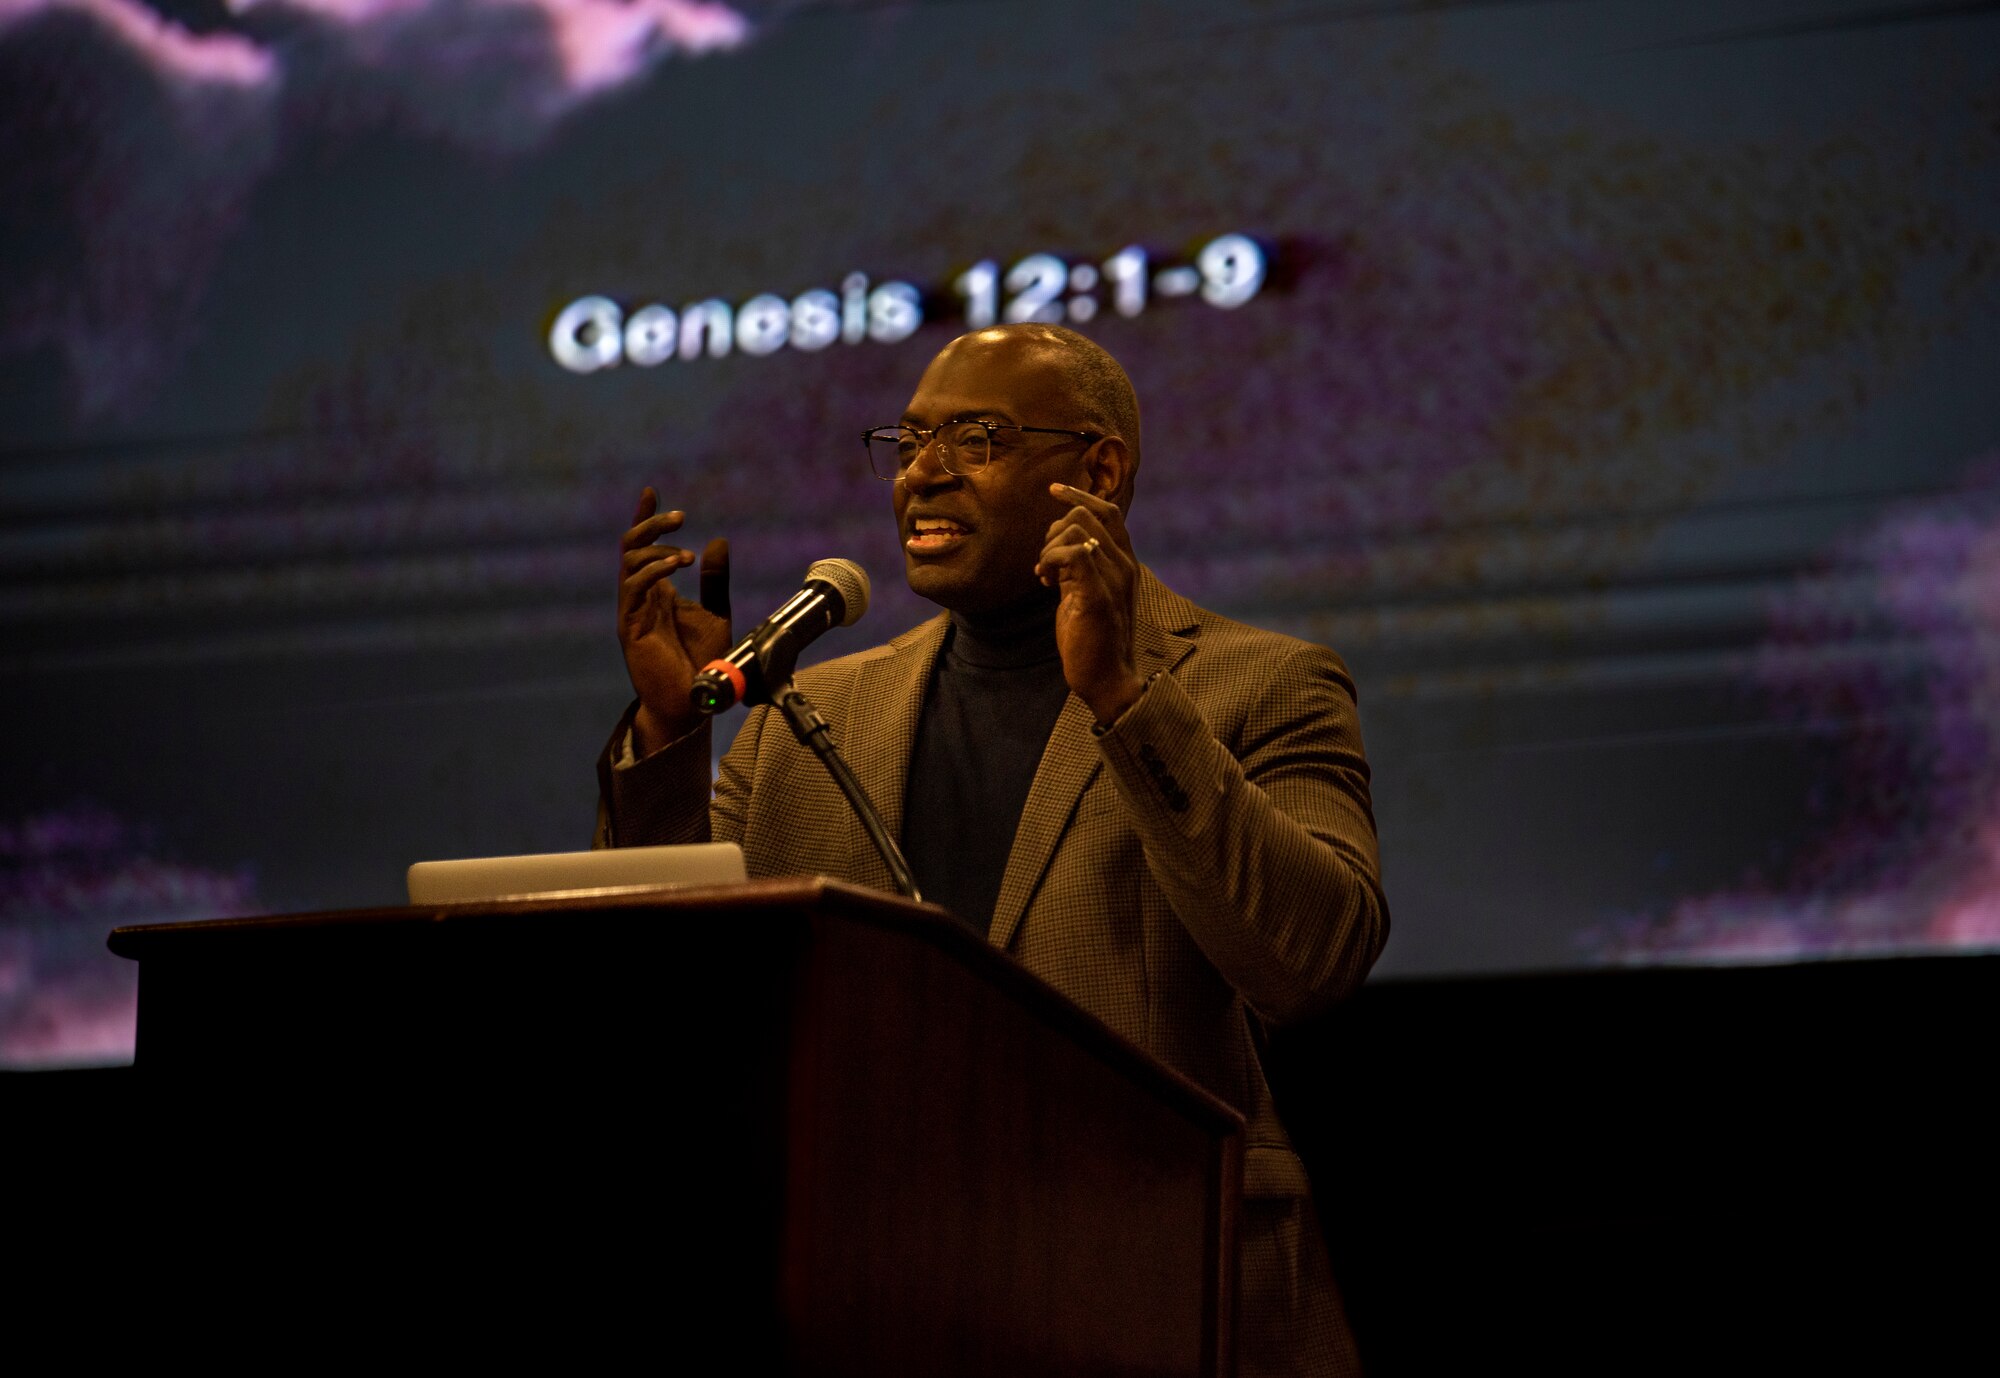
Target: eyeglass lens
column 962, row 447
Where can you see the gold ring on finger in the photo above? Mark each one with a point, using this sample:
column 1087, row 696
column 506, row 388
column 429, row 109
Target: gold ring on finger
column 1090, row 546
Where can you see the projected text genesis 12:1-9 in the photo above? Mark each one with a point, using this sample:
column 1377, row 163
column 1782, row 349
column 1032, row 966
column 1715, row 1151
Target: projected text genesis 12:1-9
column 596, row 332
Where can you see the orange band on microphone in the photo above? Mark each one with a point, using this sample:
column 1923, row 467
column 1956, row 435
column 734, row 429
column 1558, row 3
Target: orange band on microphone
column 730, row 672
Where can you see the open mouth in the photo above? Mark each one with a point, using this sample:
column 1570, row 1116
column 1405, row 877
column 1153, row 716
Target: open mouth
column 934, row 536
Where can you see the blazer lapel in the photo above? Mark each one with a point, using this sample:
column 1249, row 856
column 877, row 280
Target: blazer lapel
column 1069, row 762
column 879, row 728
column 1072, row 758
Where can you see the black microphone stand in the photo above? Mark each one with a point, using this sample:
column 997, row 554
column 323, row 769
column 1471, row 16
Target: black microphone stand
column 816, row 734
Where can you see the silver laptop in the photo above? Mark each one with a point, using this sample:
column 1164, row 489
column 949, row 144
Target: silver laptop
column 552, row 873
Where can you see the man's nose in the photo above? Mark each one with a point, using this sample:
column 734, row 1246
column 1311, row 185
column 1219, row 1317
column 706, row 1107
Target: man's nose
column 927, row 470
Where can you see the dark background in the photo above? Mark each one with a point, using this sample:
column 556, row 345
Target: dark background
column 1619, row 405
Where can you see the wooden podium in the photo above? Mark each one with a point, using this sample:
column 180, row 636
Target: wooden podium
column 829, row 1130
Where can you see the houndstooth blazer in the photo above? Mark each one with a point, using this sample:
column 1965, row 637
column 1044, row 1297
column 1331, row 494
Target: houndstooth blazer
column 1208, row 860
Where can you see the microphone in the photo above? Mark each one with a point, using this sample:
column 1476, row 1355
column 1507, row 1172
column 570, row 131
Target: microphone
column 835, row 595
column 759, row 670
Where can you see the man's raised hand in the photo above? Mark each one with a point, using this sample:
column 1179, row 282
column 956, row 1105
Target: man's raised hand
column 1088, row 556
column 667, row 638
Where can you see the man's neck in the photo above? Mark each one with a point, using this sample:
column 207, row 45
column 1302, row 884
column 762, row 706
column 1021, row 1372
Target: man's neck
column 1024, row 634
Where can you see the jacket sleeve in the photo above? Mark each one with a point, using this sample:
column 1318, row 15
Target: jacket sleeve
column 1266, row 852
column 666, row 797
column 655, row 800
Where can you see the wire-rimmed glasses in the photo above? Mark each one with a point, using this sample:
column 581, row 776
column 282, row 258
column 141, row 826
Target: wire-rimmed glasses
column 964, row 447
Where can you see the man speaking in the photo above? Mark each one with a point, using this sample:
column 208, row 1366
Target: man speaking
column 1161, row 812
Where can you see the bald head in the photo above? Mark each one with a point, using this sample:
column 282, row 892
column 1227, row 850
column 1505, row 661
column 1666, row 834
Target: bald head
column 1095, row 393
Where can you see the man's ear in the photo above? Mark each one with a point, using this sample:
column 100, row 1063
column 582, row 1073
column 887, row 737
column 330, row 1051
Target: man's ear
column 1109, row 464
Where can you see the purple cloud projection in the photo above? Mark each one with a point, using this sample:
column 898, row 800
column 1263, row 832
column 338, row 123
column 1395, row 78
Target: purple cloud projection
column 1892, row 659
column 135, row 145
column 492, row 75
column 136, row 142
column 67, row 878
column 173, row 53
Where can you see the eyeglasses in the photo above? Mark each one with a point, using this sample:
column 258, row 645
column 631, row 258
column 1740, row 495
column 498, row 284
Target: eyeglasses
column 964, row 447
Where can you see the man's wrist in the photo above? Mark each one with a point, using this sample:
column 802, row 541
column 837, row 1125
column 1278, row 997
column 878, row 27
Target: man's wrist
column 1110, row 704
column 650, row 732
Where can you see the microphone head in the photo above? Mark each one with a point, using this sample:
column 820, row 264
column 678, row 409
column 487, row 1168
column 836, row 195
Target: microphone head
column 849, row 580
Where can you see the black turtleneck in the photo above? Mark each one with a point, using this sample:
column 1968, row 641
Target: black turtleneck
column 992, row 700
